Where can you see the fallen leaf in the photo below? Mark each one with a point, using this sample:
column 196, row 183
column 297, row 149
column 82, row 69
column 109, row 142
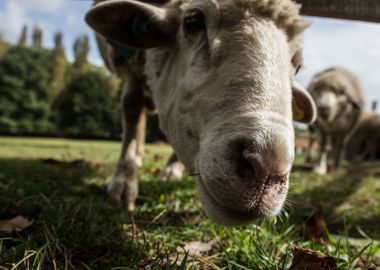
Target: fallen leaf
column 157, row 157
column 311, row 260
column 363, row 263
column 154, row 170
column 197, row 248
column 316, row 229
column 18, row 223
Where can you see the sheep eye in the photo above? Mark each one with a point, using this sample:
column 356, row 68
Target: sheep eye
column 194, row 21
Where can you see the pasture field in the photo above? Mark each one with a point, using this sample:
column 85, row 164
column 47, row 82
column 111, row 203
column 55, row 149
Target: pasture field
column 60, row 185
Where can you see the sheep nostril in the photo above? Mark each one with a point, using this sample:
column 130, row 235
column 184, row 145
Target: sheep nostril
column 257, row 165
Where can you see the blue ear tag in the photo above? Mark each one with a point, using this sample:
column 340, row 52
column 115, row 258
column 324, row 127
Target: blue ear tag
column 126, row 52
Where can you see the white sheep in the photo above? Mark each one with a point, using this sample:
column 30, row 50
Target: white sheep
column 339, row 99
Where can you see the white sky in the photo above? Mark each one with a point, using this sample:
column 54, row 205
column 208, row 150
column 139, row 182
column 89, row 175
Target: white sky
column 355, row 45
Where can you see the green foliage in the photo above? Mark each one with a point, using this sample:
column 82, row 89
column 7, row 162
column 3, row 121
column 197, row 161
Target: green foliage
column 60, row 64
column 81, row 49
column 25, row 92
column 37, row 37
column 24, row 36
column 3, row 45
column 31, row 85
column 87, row 108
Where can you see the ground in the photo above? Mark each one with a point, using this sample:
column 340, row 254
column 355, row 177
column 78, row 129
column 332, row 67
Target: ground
column 60, row 185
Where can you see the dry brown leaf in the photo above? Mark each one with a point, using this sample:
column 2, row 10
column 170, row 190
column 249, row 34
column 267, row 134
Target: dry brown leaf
column 316, row 229
column 198, row 252
column 157, row 157
column 363, row 263
column 18, row 223
column 154, row 170
column 311, row 260
column 197, row 248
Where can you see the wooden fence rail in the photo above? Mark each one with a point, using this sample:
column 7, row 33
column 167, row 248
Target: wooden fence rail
column 363, row 10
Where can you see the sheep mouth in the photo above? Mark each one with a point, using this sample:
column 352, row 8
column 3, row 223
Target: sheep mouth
column 324, row 116
column 266, row 200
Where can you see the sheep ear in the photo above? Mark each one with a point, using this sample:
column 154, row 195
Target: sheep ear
column 304, row 109
column 134, row 24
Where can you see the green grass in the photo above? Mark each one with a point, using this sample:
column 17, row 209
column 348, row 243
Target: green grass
column 77, row 227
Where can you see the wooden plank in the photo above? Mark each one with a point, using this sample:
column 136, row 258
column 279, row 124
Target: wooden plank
column 363, row 10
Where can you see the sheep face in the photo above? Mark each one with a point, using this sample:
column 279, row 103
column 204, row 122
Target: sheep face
column 328, row 103
column 222, row 75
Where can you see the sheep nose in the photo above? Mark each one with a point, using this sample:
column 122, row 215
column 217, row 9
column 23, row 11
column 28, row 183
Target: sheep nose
column 261, row 171
column 257, row 165
column 324, row 111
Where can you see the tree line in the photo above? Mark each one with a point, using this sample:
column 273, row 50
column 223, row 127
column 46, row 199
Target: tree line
column 42, row 93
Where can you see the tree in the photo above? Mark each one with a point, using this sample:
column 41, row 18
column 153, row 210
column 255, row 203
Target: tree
column 81, row 50
column 58, row 42
column 59, row 62
column 25, row 91
column 3, row 45
column 24, row 36
column 37, row 37
column 87, row 108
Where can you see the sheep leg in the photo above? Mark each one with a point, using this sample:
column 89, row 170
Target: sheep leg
column 312, row 138
column 370, row 150
column 140, row 139
column 308, row 158
column 124, row 180
column 321, row 167
column 173, row 169
column 374, row 148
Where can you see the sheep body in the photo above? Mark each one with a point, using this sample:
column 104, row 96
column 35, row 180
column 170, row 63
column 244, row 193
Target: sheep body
column 340, row 100
column 364, row 143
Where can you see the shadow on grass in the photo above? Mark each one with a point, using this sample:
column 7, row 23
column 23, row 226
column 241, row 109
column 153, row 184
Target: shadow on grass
column 167, row 203
column 334, row 191
column 76, row 223
column 27, row 179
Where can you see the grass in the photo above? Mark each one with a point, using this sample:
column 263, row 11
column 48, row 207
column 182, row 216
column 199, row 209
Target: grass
column 77, row 227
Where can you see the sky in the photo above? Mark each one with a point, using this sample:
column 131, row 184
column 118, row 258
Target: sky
column 328, row 42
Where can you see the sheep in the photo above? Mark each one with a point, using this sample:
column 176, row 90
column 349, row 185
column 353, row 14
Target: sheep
column 339, row 99
column 365, row 142
column 221, row 73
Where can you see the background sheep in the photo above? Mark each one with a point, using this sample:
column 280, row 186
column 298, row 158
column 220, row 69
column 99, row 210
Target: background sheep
column 364, row 143
column 339, row 99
